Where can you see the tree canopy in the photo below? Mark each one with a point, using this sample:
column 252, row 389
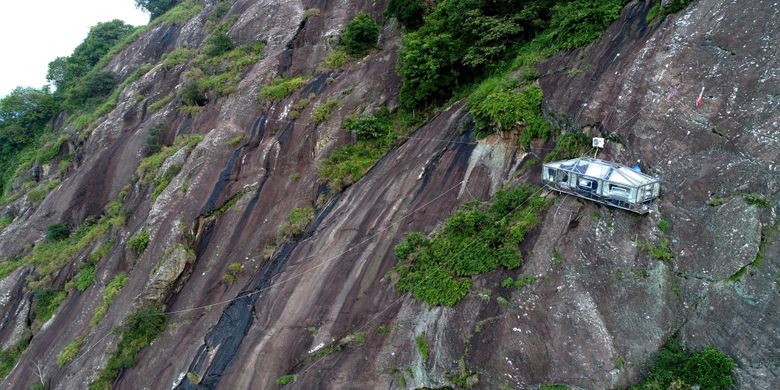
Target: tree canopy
column 156, row 7
column 65, row 71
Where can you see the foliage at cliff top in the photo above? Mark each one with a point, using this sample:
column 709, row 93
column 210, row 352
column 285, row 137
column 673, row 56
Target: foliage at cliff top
column 462, row 41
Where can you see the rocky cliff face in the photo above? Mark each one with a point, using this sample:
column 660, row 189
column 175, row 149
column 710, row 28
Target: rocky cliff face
column 600, row 306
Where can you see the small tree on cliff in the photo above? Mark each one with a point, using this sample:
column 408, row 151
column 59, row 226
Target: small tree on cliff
column 360, row 34
column 156, row 7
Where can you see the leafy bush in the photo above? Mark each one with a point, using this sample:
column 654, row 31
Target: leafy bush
column 461, row 41
column 660, row 251
column 504, row 106
column 85, row 277
column 281, row 88
column 579, row 22
column 664, row 225
column 182, row 12
column 9, row 357
column 478, row 238
column 161, row 182
column 709, row 369
column 218, row 44
column 70, row 352
column 285, row 379
column 409, row 13
column 300, row 217
column 5, row 221
column 38, row 193
column 422, row 346
column 89, row 91
column 370, row 127
column 138, row 242
column 57, row 232
column 675, row 6
column 148, row 168
column 154, row 139
column 45, row 303
column 360, row 35
column 138, row 330
column 233, row 271
column 322, row 112
column 568, row 146
column 176, row 57
column 162, row 102
column 112, row 290
column 192, row 94
column 347, row 164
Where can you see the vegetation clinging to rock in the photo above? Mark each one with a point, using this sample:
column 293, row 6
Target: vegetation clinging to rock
column 478, row 238
column 674, row 367
column 360, row 35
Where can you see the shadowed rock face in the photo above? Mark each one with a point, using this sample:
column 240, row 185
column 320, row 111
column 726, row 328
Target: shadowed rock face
column 598, row 310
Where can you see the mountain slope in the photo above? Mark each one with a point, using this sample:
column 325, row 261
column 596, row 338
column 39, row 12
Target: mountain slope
column 322, row 305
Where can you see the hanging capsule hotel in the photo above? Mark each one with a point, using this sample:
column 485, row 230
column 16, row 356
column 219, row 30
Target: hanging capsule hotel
column 604, row 182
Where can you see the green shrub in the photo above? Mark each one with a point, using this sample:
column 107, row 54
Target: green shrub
column 654, row 12
column 579, row 22
column 297, row 222
column 112, row 290
column 336, row 59
column 370, row 127
column 9, row 357
column 422, row 346
column 477, row 238
column 322, row 112
column 664, row 225
column 233, row 271
column 162, row 102
column 234, row 141
column 154, row 139
column 461, row 42
column 138, row 242
column 360, row 35
column 675, row 6
column 192, row 94
column 505, row 106
column 757, row 200
column 138, row 330
column 709, row 369
column 218, row 44
column 409, row 13
column 568, row 146
column 177, row 57
column 281, row 88
column 161, row 182
column 5, row 221
column 45, row 303
column 285, row 379
column 523, row 281
column 148, row 168
column 85, row 277
column 70, row 352
column 348, row 163
column 57, row 232
column 182, row 12
column 660, row 251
